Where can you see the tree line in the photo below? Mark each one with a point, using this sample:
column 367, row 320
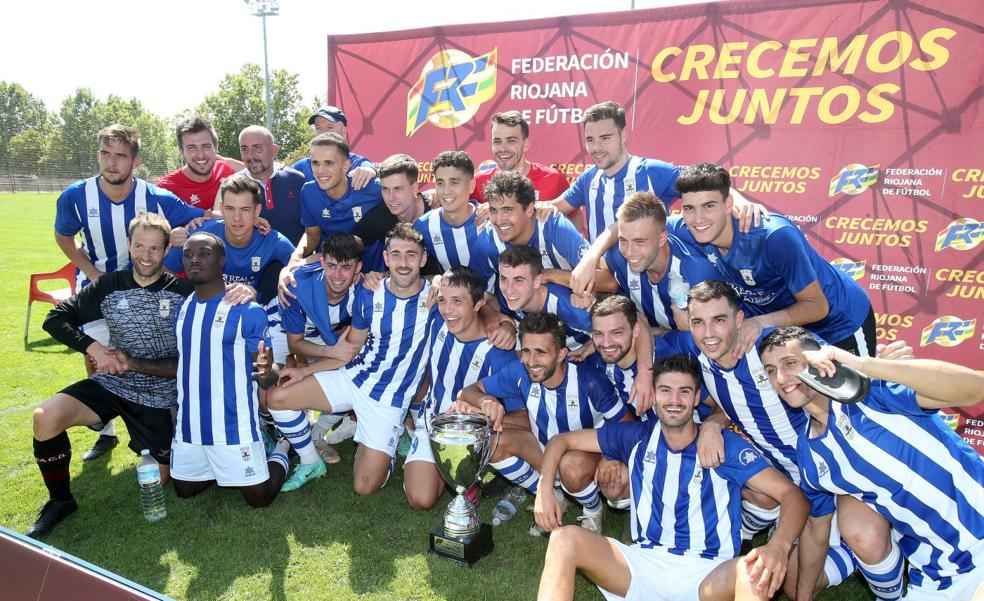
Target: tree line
column 38, row 142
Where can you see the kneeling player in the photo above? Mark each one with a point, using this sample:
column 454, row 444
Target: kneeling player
column 217, row 435
column 460, row 354
column 685, row 525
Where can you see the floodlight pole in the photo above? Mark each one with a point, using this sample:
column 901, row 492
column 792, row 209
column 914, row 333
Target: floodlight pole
column 264, row 9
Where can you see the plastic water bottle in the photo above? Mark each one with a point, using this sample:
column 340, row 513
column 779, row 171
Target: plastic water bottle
column 678, row 290
column 506, row 508
column 151, row 491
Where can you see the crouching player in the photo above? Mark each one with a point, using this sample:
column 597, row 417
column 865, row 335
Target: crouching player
column 217, row 435
column 460, row 355
column 895, row 454
column 686, row 524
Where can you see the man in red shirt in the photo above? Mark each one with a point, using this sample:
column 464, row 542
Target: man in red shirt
column 510, row 141
column 197, row 182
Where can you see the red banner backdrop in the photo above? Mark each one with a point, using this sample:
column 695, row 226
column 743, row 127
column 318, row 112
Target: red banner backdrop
column 861, row 121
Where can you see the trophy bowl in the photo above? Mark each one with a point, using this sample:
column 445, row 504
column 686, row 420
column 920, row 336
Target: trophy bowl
column 462, row 445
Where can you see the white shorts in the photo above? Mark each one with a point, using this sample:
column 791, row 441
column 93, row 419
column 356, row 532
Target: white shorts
column 378, row 426
column 98, row 331
column 420, row 449
column 228, row 465
column 649, row 569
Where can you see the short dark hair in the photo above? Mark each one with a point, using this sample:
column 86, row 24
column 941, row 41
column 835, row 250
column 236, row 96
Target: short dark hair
column 780, row 336
column 193, row 125
column 460, row 276
column 542, row 322
column 121, row 134
column 510, row 183
column 217, row 242
column 616, row 303
column 682, row 364
column 332, row 139
column 342, row 247
column 457, row 159
column 605, row 110
column 515, row 256
column 712, row 290
column 404, row 231
column 642, row 205
column 704, row 177
column 399, row 163
column 239, row 183
column 512, row 119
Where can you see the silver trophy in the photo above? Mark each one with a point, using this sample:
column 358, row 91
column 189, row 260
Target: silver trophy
column 462, row 445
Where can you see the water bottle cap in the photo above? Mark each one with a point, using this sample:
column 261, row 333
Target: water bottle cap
column 145, row 452
column 496, row 521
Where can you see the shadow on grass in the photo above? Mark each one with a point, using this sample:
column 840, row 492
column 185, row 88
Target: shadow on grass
column 47, row 346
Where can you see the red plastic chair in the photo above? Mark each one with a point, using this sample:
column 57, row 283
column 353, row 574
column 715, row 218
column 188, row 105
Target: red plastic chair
column 52, row 296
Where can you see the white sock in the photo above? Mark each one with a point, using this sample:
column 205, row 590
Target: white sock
column 297, row 430
column 109, row 429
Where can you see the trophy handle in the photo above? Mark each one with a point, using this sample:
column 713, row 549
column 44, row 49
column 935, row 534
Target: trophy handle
column 490, row 451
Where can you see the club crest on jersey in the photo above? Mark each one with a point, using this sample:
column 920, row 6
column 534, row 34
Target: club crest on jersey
column 244, row 452
column 628, row 184
column 325, row 214
column 572, row 401
column 698, row 475
column 442, row 334
column 747, row 456
column 746, row 275
column 451, row 88
column 255, row 264
column 761, row 378
column 844, row 425
column 962, row 234
column 357, row 213
column 219, row 320
column 164, row 307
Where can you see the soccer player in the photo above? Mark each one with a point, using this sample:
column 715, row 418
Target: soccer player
column 390, row 325
column 779, row 277
column 614, row 330
column 652, row 267
column 331, row 120
column 450, row 232
column 685, row 536
column 330, row 203
column 894, row 453
column 197, row 181
column 133, row 379
column 460, row 355
column 323, row 295
column 616, row 174
column 217, row 435
column 100, row 208
column 510, row 143
column 558, row 397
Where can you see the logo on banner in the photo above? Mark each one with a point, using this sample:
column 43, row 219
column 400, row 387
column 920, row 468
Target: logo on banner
column 451, row 88
column 485, row 166
column 950, row 419
column 947, row 331
column 962, row 234
column 853, row 179
column 854, row 269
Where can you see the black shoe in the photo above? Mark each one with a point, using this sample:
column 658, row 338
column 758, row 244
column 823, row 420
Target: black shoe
column 51, row 514
column 746, row 547
column 103, row 445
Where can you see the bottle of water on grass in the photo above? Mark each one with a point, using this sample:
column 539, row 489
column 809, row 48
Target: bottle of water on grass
column 508, row 506
column 151, row 491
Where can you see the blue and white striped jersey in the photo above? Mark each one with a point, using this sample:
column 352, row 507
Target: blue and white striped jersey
column 653, row 299
column 390, row 367
column 907, row 464
column 560, row 244
column 584, row 399
column 83, row 207
column 558, row 302
column 455, row 364
column 217, row 398
column 312, row 306
column 603, row 195
column 451, row 245
column 747, row 397
column 678, row 505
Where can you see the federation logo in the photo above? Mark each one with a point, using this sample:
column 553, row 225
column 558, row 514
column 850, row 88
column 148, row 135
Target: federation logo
column 948, row 331
column 962, row 234
column 853, row 179
column 854, row 269
column 451, row 88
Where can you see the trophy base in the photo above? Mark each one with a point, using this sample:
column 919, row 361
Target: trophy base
column 466, row 552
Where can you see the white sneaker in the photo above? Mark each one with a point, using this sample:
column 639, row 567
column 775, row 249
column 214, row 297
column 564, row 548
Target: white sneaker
column 535, row 529
column 591, row 522
column 343, row 431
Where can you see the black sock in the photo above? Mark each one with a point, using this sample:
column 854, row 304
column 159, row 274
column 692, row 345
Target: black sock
column 53, row 457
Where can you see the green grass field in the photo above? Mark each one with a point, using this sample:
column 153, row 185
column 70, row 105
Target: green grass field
column 321, row 542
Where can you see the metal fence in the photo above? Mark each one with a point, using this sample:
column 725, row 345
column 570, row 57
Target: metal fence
column 53, row 179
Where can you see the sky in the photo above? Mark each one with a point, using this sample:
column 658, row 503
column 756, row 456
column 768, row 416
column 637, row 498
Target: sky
column 171, row 54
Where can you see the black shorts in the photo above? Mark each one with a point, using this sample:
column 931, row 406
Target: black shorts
column 149, row 427
column 864, row 340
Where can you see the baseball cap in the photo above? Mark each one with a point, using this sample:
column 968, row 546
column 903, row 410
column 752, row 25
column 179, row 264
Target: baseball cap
column 330, row 113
